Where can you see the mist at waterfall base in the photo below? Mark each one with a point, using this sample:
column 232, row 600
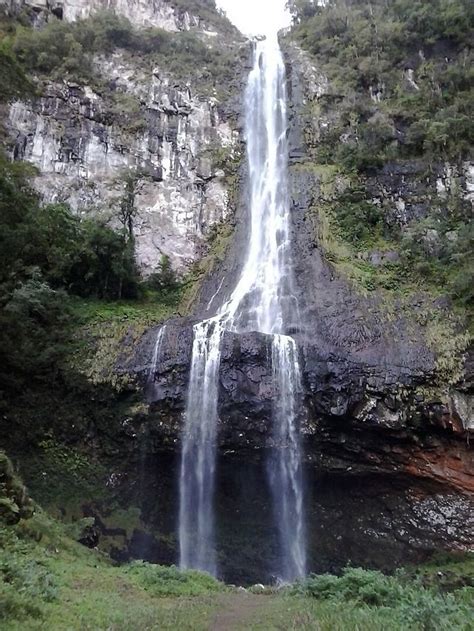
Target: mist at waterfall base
column 262, row 301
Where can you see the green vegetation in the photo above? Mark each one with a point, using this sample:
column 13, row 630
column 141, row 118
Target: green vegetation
column 48, row 580
column 14, row 80
column 401, row 602
column 170, row 581
column 367, row 48
column 61, row 49
column 14, row 501
column 399, row 97
column 50, row 244
column 47, row 255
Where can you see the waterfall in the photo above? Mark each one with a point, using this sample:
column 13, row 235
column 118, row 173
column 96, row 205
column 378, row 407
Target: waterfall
column 285, row 465
column 263, row 301
column 150, row 384
column 196, row 520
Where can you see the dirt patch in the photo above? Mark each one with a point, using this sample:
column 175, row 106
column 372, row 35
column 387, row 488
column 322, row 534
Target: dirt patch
column 237, row 610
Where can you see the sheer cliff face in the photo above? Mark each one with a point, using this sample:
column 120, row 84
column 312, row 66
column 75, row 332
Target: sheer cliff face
column 141, row 13
column 163, row 134
column 84, row 160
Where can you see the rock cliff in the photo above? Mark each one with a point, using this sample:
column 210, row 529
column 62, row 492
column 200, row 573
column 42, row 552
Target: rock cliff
column 137, row 131
column 142, row 13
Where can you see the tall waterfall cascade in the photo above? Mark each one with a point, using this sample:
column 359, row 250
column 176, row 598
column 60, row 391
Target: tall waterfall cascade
column 262, row 301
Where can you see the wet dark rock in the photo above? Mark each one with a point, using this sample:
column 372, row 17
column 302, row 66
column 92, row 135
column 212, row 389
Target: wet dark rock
column 90, row 536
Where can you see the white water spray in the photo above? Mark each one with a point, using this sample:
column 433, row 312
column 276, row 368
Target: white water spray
column 285, row 465
column 150, row 385
column 263, row 300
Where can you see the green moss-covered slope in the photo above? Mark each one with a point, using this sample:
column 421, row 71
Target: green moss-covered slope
column 394, row 113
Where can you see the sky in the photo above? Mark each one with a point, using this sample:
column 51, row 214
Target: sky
column 256, row 17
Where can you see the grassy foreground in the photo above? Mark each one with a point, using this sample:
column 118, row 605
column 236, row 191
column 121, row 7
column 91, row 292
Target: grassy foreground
column 48, row 581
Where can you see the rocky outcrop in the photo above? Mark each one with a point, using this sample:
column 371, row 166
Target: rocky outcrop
column 388, row 468
column 86, row 156
column 350, row 406
column 134, row 135
column 142, row 13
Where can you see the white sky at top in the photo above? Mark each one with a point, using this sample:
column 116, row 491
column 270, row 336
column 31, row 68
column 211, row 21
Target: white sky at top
column 256, row 17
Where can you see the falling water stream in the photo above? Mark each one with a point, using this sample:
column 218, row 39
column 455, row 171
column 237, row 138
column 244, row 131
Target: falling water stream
column 263, row 301
column 150, row 386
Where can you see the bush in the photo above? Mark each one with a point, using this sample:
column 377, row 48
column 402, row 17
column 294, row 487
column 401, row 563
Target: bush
column 358, row 219
column 62, row 48
column 171, row 581
column 362, row 586
column 32, row 333
column 15, row 83
column 412, row 605
column 25, row 585
column 364, row 47
column 14, row 501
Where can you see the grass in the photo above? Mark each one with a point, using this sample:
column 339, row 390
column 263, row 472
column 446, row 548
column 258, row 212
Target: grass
column 152, row 308
column 398, row 601
column 105, row 331
column 299, row 612
column 49, row 581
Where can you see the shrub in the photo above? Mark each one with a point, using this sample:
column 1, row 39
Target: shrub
column 363, row 47
column 15, row 83
column 358, row 219
column 362, row 586
column 62, row 48
column 25, row 585
column 171, row 581
column 411, row 604
column 14, row 501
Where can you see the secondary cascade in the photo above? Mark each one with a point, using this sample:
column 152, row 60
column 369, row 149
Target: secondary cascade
column 263, row 301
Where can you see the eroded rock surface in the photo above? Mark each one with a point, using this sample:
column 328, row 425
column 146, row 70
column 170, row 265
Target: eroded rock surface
column 142, row 13
column 85, row 159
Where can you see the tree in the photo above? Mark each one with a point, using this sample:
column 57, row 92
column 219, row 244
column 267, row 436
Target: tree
column 164, row 280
